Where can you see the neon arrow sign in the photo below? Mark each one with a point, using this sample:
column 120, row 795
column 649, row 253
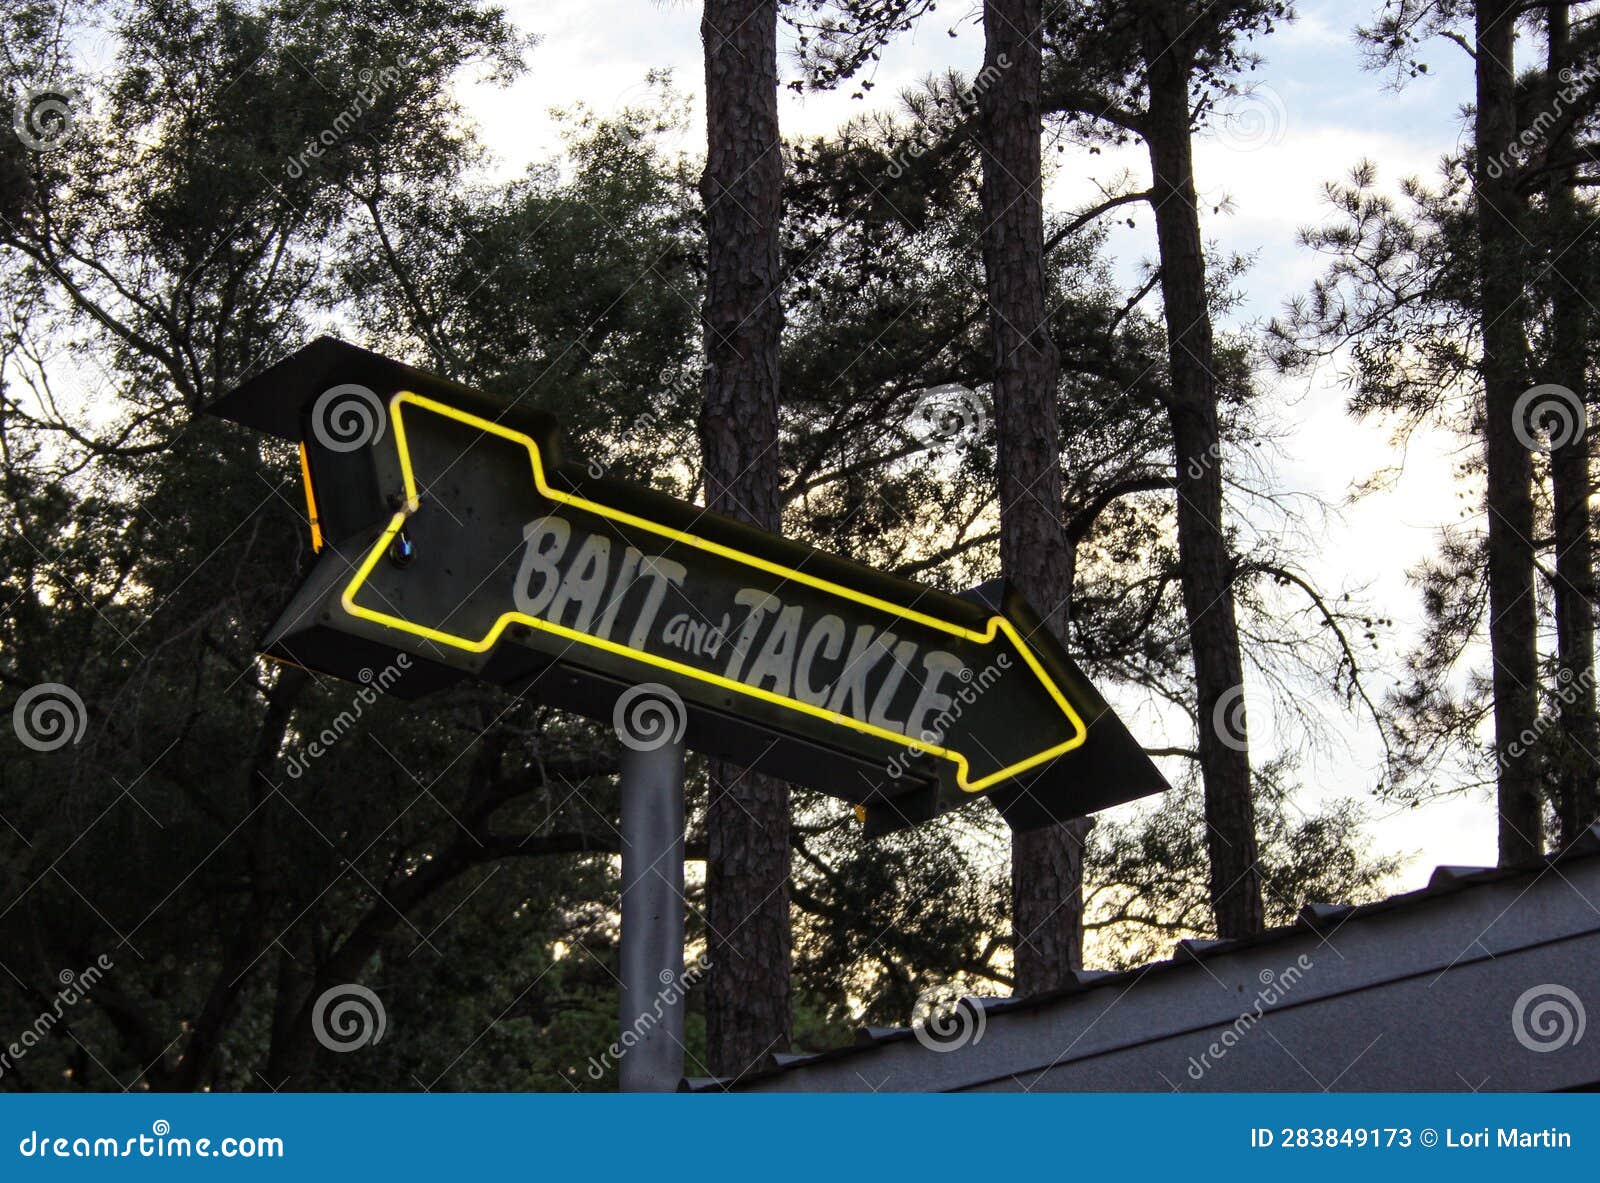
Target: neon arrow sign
column 459, row 537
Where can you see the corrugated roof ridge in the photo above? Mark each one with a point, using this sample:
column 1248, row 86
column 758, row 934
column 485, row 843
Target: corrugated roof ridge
column 1446, row 879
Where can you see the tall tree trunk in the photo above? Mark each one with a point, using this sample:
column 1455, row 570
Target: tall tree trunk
column 244, row 948
column 1206, row 567
column 1577, row 804
column 747, row 819
column 1512, row 638
column 1046, row 864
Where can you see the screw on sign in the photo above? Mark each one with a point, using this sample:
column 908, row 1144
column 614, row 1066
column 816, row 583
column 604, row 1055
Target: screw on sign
column 523, row 570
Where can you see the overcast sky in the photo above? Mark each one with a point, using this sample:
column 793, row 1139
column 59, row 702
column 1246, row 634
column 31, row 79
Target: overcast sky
column 1316, row 114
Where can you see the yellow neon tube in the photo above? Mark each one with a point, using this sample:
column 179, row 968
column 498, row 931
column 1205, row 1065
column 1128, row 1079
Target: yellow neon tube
column 311, row 501
column 997, row 625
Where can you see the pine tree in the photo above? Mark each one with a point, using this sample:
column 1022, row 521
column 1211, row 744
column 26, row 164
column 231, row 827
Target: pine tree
column 747, row 819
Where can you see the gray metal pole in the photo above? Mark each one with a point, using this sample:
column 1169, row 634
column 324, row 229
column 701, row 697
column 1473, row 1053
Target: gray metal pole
column 652, row 920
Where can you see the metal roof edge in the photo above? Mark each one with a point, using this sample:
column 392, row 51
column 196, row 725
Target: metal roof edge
column 1445, row 881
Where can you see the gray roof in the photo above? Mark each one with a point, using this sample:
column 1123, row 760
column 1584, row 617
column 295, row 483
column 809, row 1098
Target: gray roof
column 1479, row 981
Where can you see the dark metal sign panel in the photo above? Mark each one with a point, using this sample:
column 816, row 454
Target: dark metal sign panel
column 456, row 535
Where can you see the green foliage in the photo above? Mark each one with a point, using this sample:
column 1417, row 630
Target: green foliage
column 1399, row 302
column 1148, row 885
column 456, row 858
